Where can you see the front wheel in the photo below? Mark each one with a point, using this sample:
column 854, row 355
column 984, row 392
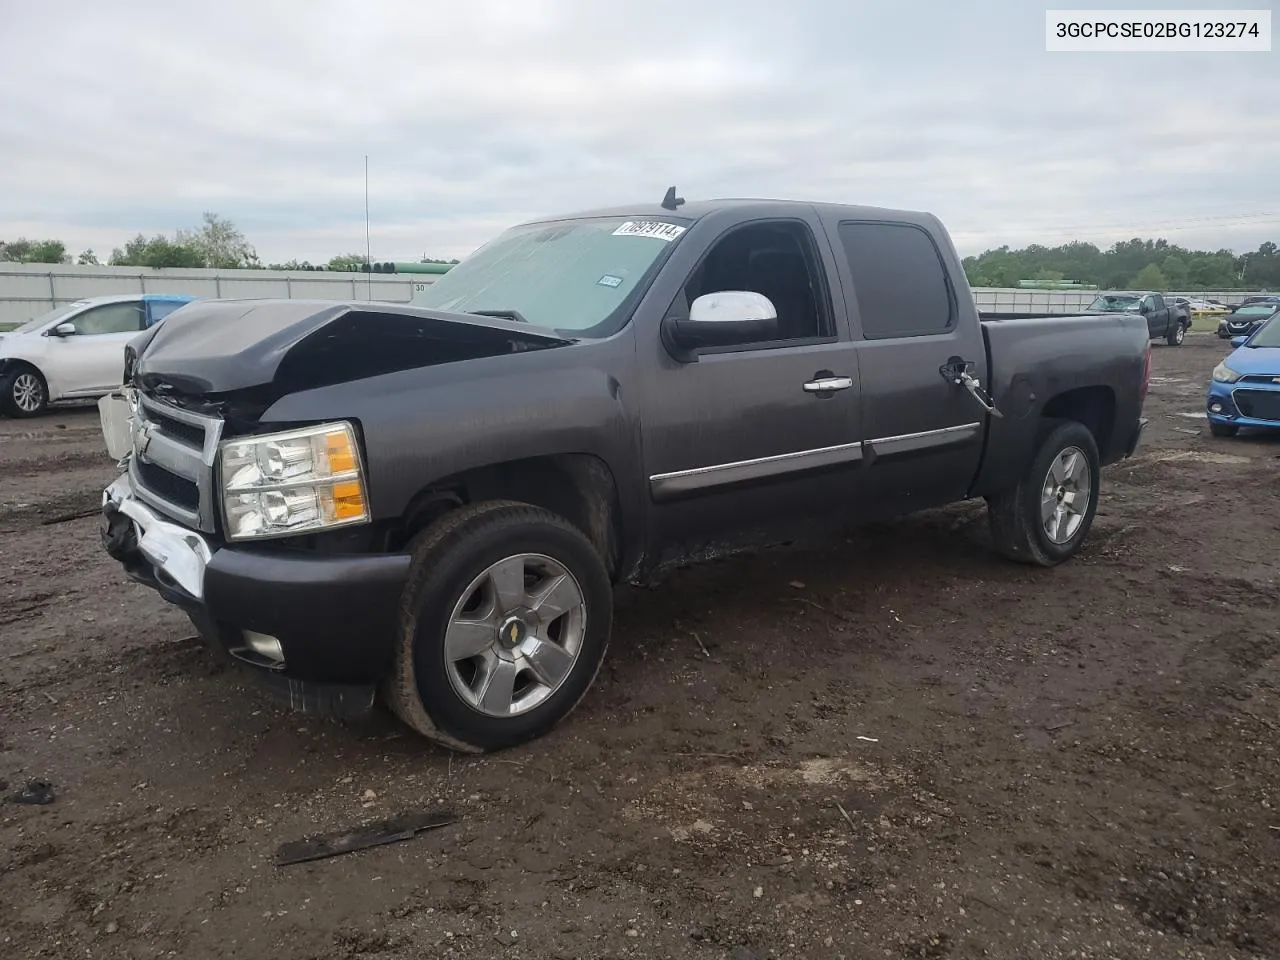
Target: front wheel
column 1177, row 335
column 23, row 392
column 1046, row 517
column 504, row 624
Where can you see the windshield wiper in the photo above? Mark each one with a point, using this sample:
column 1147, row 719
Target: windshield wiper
column 515, row 315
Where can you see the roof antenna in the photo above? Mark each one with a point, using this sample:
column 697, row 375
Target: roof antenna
column 671, row 201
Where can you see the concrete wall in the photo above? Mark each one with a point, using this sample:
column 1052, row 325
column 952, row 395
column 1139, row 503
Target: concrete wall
column 27, row 290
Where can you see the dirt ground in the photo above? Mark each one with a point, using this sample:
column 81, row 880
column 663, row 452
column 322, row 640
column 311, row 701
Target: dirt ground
column 897, row 746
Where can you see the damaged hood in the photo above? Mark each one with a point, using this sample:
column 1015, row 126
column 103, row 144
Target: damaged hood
column 220, row 346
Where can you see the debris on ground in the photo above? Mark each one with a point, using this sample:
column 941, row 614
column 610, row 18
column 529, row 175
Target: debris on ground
column 34, row 793
column 334, row 844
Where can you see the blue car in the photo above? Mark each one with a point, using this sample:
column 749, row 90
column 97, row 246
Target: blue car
column 1245, row 389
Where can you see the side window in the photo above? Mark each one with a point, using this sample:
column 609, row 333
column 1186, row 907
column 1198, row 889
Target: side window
column 899, row 280
column 111, row 318
column 162, row 308
column 1158, row 302
column 1149, row 303
column 778, row 260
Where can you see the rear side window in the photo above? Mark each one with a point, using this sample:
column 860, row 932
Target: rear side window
column 899, row 281
column 162, row 308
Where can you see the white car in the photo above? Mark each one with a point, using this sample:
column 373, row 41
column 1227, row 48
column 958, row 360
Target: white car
column 74, row 351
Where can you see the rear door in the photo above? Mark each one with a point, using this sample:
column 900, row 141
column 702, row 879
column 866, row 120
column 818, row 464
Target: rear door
column 91, row 361
column 923, row 434
column 742, row 444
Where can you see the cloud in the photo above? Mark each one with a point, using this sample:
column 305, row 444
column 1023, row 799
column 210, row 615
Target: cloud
column 476, row 115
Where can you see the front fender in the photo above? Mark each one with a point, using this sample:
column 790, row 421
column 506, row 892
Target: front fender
column 20, row 353
column 420, row 426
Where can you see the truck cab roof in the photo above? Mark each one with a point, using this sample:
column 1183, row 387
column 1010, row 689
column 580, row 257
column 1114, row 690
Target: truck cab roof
column 695, row 210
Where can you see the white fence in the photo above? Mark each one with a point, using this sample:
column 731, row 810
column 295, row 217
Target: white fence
column 28, row 290
column 1016, row 300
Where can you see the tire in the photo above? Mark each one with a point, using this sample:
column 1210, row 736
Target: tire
column 1018, row 525
column 23, row 392
column 1223, row 429
column 1176, row 335
column 449, row 698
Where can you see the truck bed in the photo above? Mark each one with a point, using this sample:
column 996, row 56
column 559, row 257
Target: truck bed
column 1031, row 357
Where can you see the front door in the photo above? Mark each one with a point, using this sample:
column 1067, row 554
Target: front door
column 751, row 441
column 923, row 433
column 91, row 360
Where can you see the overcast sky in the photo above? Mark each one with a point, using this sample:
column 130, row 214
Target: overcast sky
column 136, row 116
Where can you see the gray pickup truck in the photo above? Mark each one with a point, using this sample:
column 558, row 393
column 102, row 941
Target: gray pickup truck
column 432, row 502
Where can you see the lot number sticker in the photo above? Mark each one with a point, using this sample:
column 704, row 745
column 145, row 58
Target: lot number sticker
column 649, row 228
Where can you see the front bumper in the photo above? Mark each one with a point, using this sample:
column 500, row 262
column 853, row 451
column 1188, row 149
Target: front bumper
column 333, row 618
column 1222, row 405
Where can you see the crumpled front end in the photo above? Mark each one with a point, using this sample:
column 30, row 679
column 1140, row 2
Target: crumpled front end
column 318, row 628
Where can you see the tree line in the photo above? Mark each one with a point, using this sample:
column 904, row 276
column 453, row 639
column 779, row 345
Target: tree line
column 217, row 243
column 1138, row 264
column 1129, row 264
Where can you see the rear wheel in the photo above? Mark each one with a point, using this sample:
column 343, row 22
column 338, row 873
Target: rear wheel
column 23, row 392
column 1046, row 517
column 1177, row 334
column 504, row 624
column 1223, row 429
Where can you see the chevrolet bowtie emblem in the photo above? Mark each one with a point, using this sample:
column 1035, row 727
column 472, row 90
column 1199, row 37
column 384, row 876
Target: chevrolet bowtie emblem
column 141, row 440
column 515, row 632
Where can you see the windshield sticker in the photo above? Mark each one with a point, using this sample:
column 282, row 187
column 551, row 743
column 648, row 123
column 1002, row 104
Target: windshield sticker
column 649, row 228
column 609, row 280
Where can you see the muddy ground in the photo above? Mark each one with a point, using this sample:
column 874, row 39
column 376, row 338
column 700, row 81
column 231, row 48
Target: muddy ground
column 898, row 746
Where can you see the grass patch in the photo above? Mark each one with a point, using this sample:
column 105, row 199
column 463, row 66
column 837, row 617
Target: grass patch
column 1205, row 322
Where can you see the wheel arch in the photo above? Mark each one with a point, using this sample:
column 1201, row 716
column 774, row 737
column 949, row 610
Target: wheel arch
column 577, row 486
column 1094, row 407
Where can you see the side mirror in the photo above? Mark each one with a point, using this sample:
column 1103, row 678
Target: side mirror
column 722, row 319
column 1238, row 341
column 64, row 330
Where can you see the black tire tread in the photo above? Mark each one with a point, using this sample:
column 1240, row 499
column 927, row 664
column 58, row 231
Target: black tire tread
column 1010, row 516
column 400, row 691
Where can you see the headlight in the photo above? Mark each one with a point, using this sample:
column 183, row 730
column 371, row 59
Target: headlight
column 282, row 484
column 1224, row 374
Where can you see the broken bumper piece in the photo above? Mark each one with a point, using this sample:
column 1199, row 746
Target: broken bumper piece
column 319, row 630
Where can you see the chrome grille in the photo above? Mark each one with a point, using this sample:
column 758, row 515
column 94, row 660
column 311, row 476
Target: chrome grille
column 172, row 465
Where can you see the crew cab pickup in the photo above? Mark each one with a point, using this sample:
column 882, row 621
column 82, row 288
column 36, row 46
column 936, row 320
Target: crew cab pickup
column 1167, row 319
column 433, row 502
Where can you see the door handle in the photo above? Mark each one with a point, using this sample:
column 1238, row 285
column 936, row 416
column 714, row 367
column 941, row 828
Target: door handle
column 828, row 384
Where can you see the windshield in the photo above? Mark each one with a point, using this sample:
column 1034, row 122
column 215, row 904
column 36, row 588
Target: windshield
column 577, row 277
column 49, row 317
column 1105, row 302
column 1257, row 310
column 1267, row 335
